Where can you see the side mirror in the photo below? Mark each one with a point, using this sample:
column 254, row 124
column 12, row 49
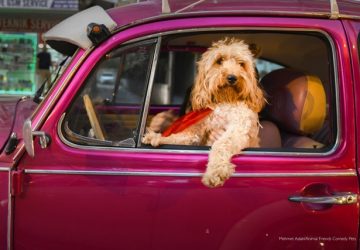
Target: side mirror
column 28, row 136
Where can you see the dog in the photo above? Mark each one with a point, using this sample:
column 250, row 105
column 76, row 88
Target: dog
column 226, row 96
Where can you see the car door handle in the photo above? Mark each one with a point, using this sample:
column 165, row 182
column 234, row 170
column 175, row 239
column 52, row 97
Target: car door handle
column 343, row 198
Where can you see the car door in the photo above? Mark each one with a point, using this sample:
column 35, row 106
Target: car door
column 85, row 191
column 353, row 33
column 4, row 195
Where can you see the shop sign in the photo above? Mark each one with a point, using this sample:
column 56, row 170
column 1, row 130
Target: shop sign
column 26, row 24
column 40, row 4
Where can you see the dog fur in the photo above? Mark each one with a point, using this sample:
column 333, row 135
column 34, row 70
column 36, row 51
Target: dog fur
column 226, row 82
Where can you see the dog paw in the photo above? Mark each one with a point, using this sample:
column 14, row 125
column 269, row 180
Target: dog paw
column 216, row 175
column 151, row 138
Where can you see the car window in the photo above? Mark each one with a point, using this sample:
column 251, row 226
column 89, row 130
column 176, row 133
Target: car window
column 264, row 67
column 107, row 110
column 285, row 63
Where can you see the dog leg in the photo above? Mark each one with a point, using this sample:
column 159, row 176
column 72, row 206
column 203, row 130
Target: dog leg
column 235, row 139
column 219, row 167
column 183, row 138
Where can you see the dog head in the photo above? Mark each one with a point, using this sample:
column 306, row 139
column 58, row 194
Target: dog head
column 226, row 74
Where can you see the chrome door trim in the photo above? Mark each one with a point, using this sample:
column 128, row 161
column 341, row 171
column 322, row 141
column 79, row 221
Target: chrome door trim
column 339, row 173
column 4, row 169
column 339, row 198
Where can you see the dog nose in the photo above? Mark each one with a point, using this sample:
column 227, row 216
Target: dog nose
column 231, row 79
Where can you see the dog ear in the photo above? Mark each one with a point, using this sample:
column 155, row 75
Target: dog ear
column 256, row 100
column 200, row 97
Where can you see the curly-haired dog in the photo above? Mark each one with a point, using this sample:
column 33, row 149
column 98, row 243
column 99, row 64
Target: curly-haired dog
column 226, row 95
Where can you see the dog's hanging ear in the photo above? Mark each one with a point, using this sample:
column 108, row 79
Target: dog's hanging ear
column 255, row 50
column 256, row 100
column 200, row 96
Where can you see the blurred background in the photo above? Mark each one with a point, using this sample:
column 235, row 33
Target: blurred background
column 25, row 61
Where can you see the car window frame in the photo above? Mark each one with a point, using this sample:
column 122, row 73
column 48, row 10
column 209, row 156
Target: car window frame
column 64, row 131
column 334, row 109
column 204, row 150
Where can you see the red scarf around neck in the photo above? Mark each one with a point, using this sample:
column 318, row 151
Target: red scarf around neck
column 186, row 121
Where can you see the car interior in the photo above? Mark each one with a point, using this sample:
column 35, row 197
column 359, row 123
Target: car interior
column 295, row 70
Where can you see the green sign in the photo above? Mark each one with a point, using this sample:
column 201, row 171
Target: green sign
column 18, row 63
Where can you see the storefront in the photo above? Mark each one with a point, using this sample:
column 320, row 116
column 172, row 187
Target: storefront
column 22, row 23
column 18, row 63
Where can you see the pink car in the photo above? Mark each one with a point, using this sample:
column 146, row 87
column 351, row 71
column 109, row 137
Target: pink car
column 74, row 173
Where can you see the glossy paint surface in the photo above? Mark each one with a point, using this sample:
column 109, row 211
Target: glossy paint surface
column 152, row 9
column 112, row 212
column 353, row 32
column 144, row 199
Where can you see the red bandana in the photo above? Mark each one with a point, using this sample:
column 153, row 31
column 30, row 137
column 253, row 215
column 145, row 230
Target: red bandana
column 186, row 121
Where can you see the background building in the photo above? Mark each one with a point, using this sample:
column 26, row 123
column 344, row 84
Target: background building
column 22, row 23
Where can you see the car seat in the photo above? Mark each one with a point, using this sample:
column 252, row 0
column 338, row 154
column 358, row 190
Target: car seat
column 269, row 135
column 297, row 105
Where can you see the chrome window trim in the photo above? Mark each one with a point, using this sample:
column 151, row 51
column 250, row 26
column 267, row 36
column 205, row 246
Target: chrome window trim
column 4, row 169
column 338, row 173
column 255, row 153
column 149, row 90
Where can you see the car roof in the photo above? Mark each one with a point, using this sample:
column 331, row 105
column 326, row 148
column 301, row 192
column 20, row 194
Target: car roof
column 166, row 9
column 71, row 33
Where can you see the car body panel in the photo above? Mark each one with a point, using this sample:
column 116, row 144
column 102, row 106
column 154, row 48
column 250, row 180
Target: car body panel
column 353, row 32
column 12, row 115
column 154, row 212
column 152, row 10
column 86, row 197
column 4, row 206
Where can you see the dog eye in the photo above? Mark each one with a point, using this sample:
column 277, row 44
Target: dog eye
column 219, row 61
column 242, row 64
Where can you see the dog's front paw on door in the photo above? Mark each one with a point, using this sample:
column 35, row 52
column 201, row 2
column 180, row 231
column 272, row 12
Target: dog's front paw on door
column 151, row 138
column 217, row 173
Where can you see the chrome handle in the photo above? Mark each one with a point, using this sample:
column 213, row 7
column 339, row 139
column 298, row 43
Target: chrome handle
column 337, row 198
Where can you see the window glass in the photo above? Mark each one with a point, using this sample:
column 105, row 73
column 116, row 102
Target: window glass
column 107, row 110
column 301, row 62
column 175, row 74
column 264, row 67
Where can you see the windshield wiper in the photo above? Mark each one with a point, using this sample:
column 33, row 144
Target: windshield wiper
column 39, row 93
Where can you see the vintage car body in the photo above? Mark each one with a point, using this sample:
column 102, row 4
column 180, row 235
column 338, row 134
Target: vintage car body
column 98, row 195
